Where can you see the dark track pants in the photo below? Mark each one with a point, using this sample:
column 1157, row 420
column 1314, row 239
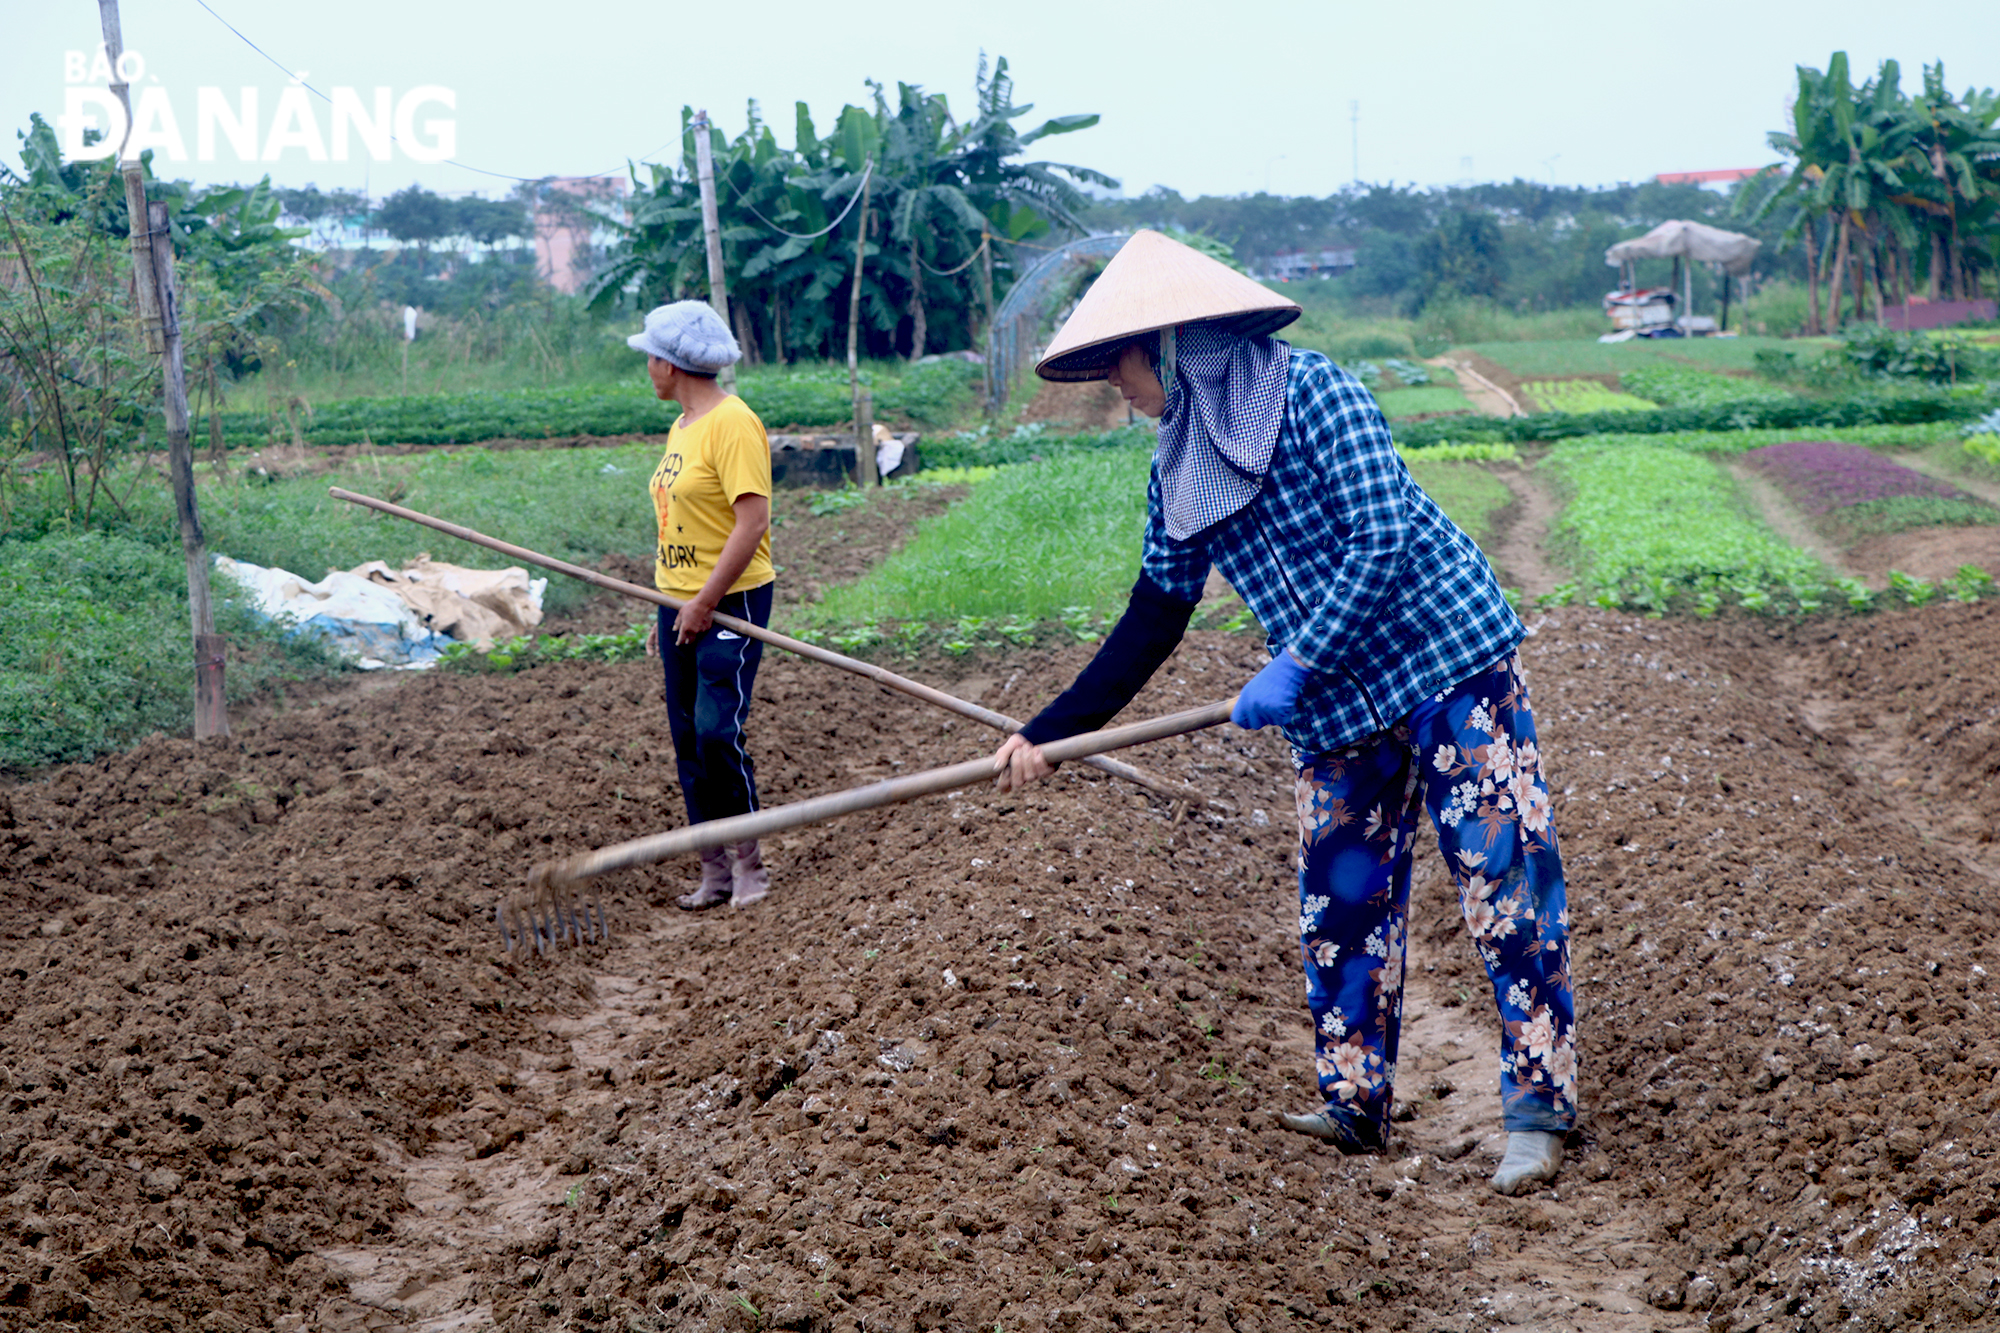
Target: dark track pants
column 708, row 699
column 1469, row 758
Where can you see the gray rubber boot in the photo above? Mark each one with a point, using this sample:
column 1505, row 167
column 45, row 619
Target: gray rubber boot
column 1532, row 1159
column 715, row 882
column 749, row 879
column 1351, row 1134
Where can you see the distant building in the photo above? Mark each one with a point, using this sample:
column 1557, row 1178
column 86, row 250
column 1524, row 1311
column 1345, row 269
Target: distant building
column 1292, row 264
column 568, row 230
column 1727, row 176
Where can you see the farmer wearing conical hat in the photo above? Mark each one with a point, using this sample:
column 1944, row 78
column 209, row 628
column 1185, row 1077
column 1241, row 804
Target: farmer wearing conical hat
column 1393, row 673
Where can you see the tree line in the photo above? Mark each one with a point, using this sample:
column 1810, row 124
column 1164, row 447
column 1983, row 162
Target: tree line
column 1885, row 194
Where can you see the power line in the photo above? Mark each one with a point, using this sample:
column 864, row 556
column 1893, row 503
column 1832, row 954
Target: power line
column 463, row 166
column 868, row 169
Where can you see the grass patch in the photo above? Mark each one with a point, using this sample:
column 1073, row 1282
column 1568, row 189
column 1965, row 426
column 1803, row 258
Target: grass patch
column 95, row 648
column 1470, row 495
column 574, row 504
column 1685, row 386
column 1566, row 357
column 1431, row 400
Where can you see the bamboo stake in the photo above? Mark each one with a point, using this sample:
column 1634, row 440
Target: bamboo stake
column 153, row 286
column 864, row 457
column 559, row 875
column 902, row 684
column 711, row 227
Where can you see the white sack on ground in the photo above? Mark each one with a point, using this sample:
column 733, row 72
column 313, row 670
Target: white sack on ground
column 362, row 619
column 389, row 617
column 475, row 606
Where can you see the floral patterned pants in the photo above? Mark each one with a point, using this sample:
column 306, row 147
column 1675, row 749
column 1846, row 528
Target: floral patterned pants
column 1469, row 757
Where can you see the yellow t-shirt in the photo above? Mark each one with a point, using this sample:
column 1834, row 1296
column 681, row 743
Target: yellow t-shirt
column 707, row 466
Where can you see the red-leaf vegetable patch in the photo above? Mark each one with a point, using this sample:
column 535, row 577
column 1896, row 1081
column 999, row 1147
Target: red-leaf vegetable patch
column 1823, row 475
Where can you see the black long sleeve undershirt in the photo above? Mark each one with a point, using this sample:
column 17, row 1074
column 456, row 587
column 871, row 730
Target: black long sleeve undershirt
column 1144, row 637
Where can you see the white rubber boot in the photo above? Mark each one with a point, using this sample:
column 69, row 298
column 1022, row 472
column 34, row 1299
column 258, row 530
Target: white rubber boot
column 715, row 882
column 749, row 880
column 1532, row 1159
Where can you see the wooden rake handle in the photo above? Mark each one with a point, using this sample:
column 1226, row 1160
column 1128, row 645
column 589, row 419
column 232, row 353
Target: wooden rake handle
column 902, row 684
column 559, row 875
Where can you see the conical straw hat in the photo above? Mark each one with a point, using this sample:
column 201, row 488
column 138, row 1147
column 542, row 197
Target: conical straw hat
column 1152, row 283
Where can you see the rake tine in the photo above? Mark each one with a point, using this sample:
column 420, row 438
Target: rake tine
column 603, row 926
column 569, row 919
column 545, row 938
column 500, row 919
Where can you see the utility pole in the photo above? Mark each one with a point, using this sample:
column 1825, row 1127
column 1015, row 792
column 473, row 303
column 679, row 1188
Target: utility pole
column 864, row 449
column 711, row 226
column 153, row 281
column 1354, row 120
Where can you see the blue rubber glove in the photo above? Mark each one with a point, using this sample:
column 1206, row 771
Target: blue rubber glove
column 1268, row 699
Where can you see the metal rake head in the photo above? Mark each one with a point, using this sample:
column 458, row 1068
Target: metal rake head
column 546, row 912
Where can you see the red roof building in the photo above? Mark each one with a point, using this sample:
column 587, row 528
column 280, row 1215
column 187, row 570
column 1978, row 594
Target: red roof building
column 1726, row 176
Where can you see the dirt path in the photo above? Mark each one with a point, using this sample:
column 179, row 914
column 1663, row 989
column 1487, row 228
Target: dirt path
column 1520, row 552
column 1786, row 520
column 1985, row 489
column 1485, row 394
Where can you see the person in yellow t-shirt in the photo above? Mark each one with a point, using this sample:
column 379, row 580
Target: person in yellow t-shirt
column 712, row 496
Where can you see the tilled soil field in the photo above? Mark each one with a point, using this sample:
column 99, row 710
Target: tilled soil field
column 1002, row 1062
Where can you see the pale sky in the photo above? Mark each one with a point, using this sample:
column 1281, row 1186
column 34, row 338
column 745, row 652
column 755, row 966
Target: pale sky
column 1205, row 98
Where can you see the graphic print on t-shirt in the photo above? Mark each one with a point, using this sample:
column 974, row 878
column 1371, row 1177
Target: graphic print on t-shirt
column 672, row 554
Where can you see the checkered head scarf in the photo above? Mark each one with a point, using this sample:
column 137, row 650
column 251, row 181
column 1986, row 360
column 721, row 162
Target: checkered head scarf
column 1225, row 405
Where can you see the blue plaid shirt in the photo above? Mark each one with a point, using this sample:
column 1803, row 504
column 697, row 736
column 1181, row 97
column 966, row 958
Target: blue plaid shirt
column 1345, row 561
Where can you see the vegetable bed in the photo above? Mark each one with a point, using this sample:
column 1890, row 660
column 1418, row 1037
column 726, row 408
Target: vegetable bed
column 1573, row 396
column 1650, row 527
column 1863, row 493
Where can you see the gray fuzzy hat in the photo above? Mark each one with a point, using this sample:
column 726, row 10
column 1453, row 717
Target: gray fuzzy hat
column 690, row 335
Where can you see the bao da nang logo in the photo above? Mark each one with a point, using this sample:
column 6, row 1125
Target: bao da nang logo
column 378, row 125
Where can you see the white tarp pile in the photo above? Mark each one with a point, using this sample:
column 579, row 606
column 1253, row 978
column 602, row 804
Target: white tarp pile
column 398, row 617
column 1688, row 240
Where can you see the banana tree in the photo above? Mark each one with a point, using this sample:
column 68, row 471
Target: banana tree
column 791, row 221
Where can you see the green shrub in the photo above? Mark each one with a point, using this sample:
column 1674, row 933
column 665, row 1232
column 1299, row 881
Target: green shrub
column 1365, row 344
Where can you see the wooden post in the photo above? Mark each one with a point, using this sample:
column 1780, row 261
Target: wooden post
column 211, row 714
column 864, row 439
column 153, row 282
column 711, row 226
column 854, row 318
column 986, row 291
